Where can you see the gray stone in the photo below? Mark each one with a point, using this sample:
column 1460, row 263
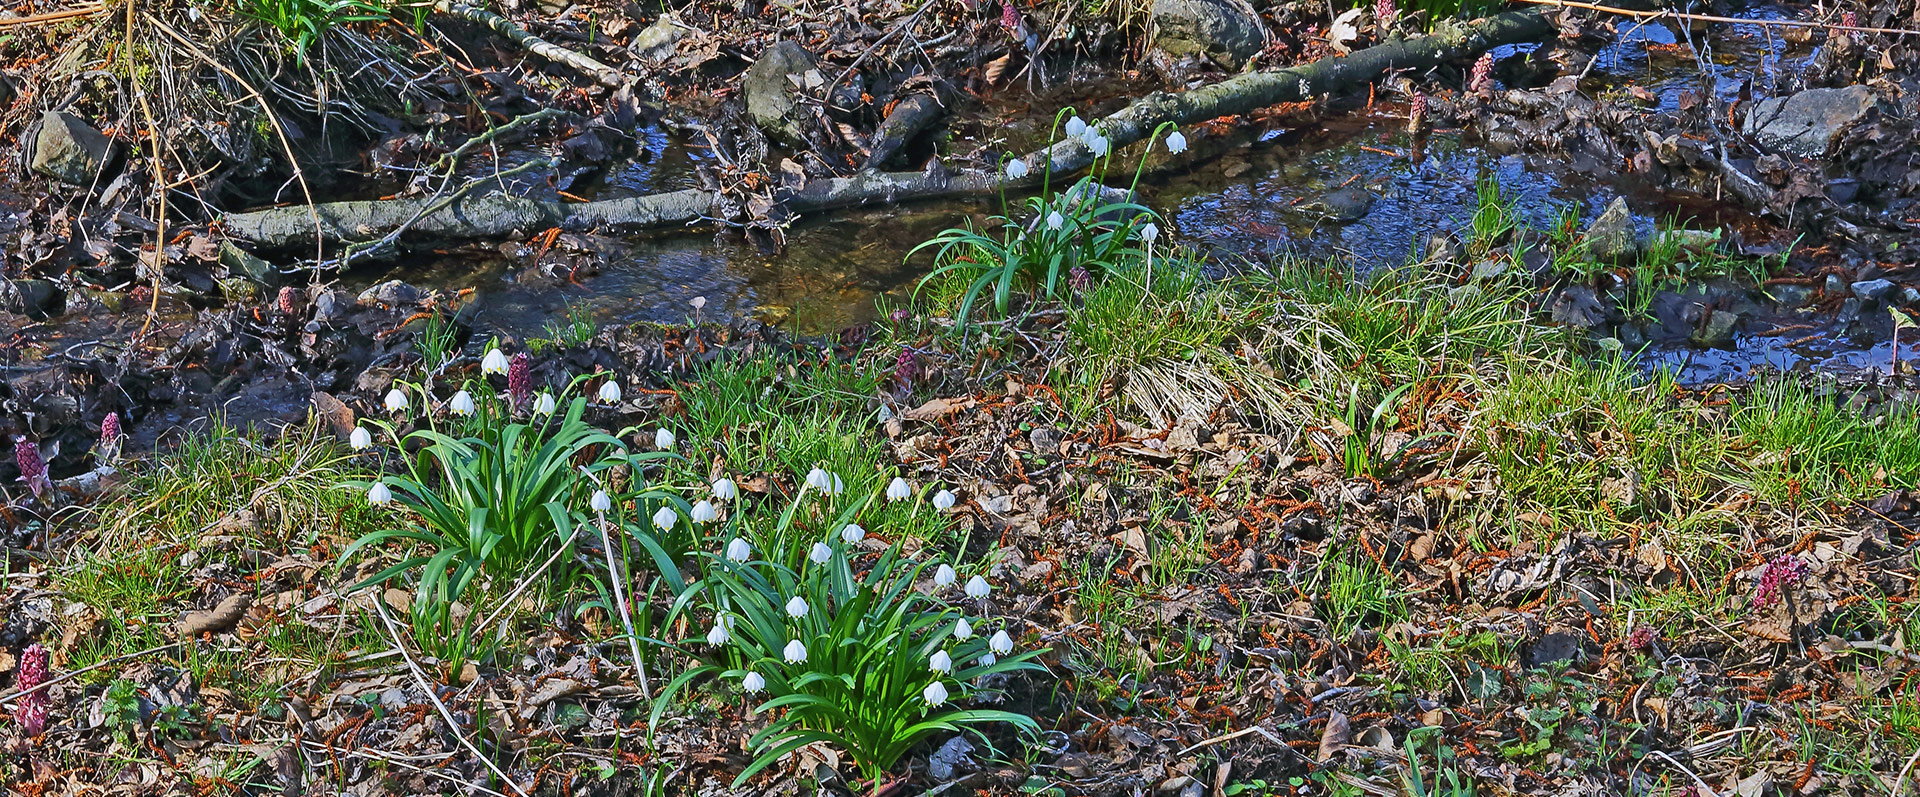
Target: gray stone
column 1807, row 124
column 953, row 758
column 773, row 88
column 1910, row 295
column 1792, row 296
column 392, row 293
column 1613, row 235
column 1719, row 329
column 1834, row 285
column 1872, row 290
column 70, row 150
column 242, row 263
column 34, row 298
column 1552, row 648
column 1344, row 205
column 659, row 40
column 1228, row 33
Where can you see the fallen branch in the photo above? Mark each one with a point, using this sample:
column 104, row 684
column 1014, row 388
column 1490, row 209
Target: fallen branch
column 601, row 73
column 1686, row 17
column 496, row 215
column 51, row 16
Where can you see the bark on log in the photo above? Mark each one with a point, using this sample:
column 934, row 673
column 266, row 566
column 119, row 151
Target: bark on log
column 496, row 215
column 911, row 115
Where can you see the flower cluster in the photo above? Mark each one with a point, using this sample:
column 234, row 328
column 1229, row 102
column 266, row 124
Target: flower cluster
column 33, row 468
column 32, row 712
column 1642, row 637
column 1482, row 81
column 1781, row 572
column 287, row 302
column 1383, row 13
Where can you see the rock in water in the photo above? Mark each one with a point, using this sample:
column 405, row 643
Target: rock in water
column 70, row 150
column 1613, row 235
column 1807, row 124
column 773, row 88
column 1872, row 290
column 1229, row 33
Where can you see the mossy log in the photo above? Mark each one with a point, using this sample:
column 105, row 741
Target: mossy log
column 496, row 215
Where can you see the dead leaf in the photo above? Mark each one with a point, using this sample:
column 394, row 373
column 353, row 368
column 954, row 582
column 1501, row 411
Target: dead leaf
column 938, row 408
column 996, row 69
column 220, row 618
column 1336, row 737
column 1345, row 28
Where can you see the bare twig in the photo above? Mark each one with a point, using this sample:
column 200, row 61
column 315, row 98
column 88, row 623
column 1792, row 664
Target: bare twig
column 420, row 676
column 620, row 595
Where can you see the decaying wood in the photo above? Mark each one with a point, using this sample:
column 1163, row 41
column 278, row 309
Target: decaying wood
column 495, row 215
column 910, row 115
column 601, row 73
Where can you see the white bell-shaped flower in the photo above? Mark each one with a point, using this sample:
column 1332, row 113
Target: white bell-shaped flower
column 379, row 494
column 943, row 500
column 1149, row 232
column 935, row 694
column 977, row 588
column 852, row 533
column 1100, row 145
column 361, row 439
column 600, row 502
column 940, row 662
column 1076, row 127
column 1055, row 221
column 1000, row 643
column 610, row 392
column 461, row 404
column 795, row 653
column 494, row 363
column 988, row 659
column 899, row 490
column 753, row 683
column 819, row 480
column 738, row 550
column 544, row 404
column 718, row 635
column 725, row 490
column 663, row 439
column 797, row 607
column 963, row 630
column 665, row 518
column 1016, row 169
column 396, row 400
column 1176, row 142
column 703, row 512
column 821, row 553
column 944, row 576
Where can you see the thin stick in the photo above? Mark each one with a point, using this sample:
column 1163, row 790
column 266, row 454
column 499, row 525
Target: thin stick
column 157, row 142
column 397, row 761
column 1231, row 736
column 620, row 597
column 420, row 676
column 52, row 16
column 1771, row 23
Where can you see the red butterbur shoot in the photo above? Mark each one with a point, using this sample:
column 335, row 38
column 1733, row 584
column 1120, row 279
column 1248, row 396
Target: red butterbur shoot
column 32, row 711
column 33, row 469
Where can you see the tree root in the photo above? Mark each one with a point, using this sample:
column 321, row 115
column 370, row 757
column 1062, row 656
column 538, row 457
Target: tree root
column 496, row 215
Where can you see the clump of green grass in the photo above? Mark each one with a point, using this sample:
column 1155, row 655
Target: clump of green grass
column 1809, row 445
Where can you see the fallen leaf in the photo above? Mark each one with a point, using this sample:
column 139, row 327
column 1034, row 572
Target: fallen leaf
column 220, row 618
